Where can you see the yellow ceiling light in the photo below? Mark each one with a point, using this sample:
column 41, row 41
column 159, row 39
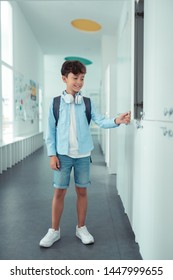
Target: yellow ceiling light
column 86, row 25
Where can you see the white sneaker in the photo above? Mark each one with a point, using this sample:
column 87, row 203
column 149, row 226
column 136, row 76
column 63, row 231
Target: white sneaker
column 83, row 234
column 51, row 236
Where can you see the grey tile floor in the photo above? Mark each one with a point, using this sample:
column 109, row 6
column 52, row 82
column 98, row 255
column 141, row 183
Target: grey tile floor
column 25, row 215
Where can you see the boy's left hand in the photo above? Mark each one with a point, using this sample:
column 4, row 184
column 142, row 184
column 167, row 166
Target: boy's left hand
column 123, row 118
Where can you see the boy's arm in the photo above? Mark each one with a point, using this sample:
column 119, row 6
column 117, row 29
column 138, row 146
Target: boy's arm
column 51, row 133
column 104, row 122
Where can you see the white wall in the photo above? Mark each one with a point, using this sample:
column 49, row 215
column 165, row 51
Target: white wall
column 117, row 144
column 124, row 99
column 0, row 92
column 111, row 111
column 108, row 56
column 28, row 61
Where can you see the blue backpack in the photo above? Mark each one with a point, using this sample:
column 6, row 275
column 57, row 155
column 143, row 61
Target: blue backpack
column 56, row 104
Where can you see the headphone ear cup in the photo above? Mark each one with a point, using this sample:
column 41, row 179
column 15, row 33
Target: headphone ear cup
column 68, row 98
column 78, row 99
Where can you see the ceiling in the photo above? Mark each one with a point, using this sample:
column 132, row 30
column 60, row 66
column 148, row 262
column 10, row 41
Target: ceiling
column 50, row 23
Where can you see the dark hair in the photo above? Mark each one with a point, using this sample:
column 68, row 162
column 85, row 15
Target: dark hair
column 73, row 66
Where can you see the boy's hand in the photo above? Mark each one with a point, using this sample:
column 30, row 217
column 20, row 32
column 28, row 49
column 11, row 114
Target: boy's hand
column 54, row 163
column 123, row 118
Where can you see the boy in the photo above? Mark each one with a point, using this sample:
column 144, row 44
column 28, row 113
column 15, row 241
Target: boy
column 69, row 144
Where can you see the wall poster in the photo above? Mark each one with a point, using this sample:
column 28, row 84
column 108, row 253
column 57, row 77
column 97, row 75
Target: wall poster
column 26, row 98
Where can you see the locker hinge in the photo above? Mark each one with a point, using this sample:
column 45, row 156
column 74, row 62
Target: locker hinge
column 139, row 14
column 139, row 104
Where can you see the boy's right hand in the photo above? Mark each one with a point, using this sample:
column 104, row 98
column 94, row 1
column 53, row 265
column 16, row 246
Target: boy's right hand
column 54, row 163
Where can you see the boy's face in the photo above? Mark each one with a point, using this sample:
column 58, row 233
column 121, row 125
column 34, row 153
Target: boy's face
column 74, row 82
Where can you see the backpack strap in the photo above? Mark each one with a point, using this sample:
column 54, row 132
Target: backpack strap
column 87, row 102
column 56, row 104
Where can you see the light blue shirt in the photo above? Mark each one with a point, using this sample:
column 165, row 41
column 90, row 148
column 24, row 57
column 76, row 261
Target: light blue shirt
column 57, row 138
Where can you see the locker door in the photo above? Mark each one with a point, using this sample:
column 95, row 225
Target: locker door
column 162, row 182
column 153, row 192
column 143, row 215
column 158, row 60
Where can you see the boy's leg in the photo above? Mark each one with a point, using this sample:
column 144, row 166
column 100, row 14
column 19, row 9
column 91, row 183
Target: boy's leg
column 57, row 207
column 61, row 183
column 53, row 233
column 82, row 181
column 82, row 203
column 81, row 229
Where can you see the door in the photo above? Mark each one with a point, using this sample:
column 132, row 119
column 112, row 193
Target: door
column 158, row 60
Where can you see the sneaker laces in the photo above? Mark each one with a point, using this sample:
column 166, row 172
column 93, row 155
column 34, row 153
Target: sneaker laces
column 50, row 233
column 84, row 230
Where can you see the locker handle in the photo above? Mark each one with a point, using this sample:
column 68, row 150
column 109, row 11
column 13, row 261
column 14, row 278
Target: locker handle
column 166, row 131
column 138, row 122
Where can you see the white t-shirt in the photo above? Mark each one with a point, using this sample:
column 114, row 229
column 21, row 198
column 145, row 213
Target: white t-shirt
column 73, row 142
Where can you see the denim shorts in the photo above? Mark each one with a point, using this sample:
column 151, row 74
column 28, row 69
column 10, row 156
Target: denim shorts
column 81, row 168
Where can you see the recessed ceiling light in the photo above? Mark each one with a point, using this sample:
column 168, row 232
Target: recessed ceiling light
column 81, row 59
column 86, row 25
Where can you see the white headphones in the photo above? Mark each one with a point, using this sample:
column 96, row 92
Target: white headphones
column 68, row 98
